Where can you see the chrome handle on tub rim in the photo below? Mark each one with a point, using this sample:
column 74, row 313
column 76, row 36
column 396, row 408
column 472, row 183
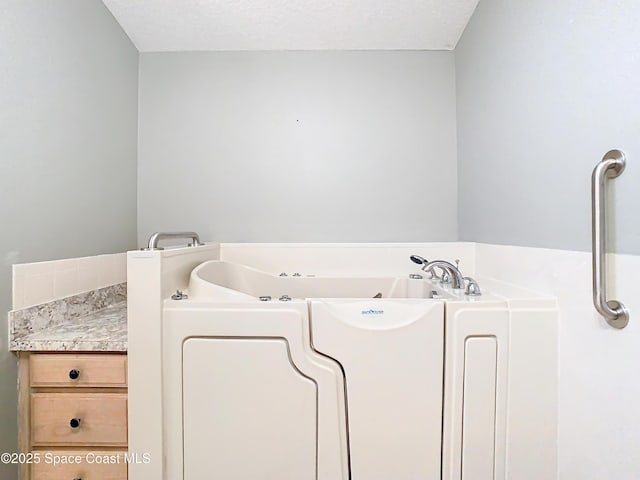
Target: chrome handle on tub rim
column 156, row 237
column 611, row 165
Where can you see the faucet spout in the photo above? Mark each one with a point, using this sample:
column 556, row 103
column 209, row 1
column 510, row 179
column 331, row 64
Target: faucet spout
column 458, row 281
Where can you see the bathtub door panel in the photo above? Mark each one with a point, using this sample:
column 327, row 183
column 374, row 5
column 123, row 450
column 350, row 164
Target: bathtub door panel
column 476, row 385
column 479, row 408
column 392, row 356
column 249, row 414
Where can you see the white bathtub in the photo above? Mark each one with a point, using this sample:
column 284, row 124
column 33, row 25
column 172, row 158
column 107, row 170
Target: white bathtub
column 231, row 281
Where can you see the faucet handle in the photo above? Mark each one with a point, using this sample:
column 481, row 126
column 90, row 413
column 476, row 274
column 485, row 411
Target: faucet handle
column 445, row 278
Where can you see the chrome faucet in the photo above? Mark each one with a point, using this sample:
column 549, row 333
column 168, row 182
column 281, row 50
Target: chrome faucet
column 448, row 268
column 451, row 269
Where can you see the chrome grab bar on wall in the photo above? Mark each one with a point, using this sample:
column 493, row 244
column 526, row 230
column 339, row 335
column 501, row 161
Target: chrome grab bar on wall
column 156, row 237
column 611, row 165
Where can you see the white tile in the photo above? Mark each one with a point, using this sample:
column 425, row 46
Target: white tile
column 65, row 282
column 38, row 288
column 18, row 288
column 37, row 268
column 89, row 273
column 120, row 267
column 113, row 269
column 40, row 282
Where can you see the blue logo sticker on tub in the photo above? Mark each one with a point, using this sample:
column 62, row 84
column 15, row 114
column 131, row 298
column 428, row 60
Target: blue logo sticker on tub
column 372, row 311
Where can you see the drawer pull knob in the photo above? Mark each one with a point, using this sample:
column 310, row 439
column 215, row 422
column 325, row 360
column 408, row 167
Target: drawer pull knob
column 74, row 423
column 74, row 374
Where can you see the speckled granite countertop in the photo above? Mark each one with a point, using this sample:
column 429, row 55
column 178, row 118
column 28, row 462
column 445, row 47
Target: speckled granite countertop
column 92, row 321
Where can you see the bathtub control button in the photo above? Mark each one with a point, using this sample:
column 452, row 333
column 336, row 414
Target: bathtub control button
column 297, row 275
column 265, row 298
column 284, row 298
column 283, row 274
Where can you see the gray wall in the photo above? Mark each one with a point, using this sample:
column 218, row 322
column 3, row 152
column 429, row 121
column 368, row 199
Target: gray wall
column 544, row 89
column 68, row 114
column 298, row 146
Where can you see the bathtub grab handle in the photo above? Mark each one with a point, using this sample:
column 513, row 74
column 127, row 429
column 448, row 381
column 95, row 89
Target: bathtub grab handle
column 611, row 165
column 156, row 237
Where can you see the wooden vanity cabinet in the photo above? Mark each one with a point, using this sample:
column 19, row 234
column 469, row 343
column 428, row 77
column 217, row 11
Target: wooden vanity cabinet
column 73, row 405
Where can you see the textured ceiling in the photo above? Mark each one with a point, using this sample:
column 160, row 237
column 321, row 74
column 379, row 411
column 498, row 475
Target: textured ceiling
column 185, row 25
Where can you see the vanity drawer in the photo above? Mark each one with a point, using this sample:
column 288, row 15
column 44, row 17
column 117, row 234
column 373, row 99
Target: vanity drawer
column 68, row 370
column 72, row 419
column 85, row 470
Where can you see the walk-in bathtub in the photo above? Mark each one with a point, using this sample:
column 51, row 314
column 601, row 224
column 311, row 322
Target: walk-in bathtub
column 257, row 376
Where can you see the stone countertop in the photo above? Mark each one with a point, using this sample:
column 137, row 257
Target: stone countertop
column 104, row 331
column 95, row 321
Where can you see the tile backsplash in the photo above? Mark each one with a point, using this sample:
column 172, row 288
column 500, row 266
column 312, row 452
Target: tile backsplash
column 36, row 283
